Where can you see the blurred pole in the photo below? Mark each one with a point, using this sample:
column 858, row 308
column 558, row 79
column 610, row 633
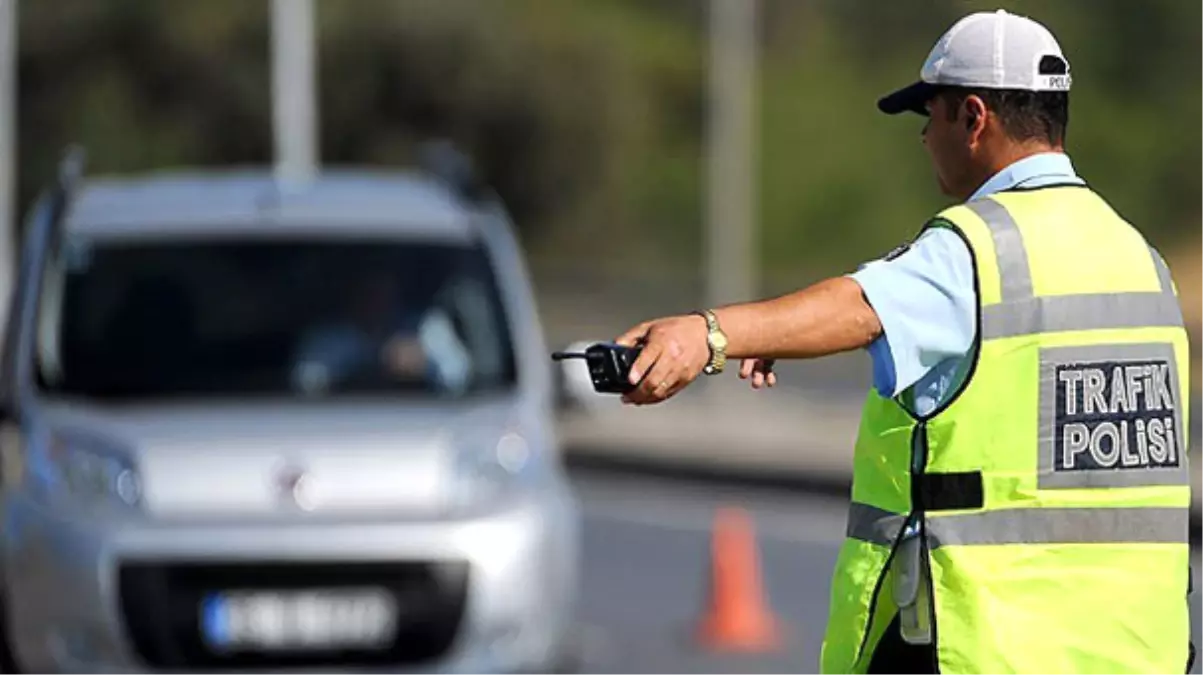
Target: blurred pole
column 8, row 151
column 294, row 104
column 731, row 209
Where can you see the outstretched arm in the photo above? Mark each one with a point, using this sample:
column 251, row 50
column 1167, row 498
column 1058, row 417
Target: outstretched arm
column 913, row 309
column 826, row 318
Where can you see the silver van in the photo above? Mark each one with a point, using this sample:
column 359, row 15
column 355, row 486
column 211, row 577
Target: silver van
column 252, row 425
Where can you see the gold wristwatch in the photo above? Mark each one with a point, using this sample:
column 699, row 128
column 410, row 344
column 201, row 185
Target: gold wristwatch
column 717, row 341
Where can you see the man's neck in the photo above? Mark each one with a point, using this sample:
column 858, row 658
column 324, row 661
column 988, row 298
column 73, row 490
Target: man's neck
column 1015, row 152
column 1007, row 155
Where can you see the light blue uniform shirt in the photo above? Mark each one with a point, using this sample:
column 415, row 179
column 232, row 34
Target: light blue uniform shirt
column 925, row 300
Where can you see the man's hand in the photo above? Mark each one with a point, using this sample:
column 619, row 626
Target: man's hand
column 674, row 352
column 760, row 370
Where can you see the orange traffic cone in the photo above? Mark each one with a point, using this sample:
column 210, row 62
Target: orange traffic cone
column 738, row 618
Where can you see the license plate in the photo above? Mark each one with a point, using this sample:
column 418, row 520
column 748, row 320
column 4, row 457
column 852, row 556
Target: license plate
column 305, row 620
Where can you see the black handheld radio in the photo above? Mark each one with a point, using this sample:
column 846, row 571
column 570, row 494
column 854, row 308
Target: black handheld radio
column 609, row 365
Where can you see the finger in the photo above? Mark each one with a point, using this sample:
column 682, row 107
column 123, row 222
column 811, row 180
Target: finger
column 746, row 367
column 634, row 335
column 644, row 394
column 664, row 390
column 685, row 376
column 666, row 377
column 683, row 380
column 656, row 373
column 770, row 377
column 634, row 397
column 659, row 380
column 681, row 384
column 647, row 359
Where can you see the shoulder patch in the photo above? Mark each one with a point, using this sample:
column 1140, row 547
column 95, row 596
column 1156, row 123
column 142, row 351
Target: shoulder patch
column 899, row 250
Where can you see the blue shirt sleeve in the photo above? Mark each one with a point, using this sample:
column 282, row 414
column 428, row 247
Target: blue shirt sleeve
column 924, row 298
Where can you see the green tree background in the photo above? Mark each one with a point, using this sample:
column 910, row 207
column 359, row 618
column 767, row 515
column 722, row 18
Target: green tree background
column 589, row 115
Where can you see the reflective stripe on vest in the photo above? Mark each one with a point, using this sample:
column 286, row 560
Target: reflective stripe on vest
column 1020, row 313
column 1027, row 526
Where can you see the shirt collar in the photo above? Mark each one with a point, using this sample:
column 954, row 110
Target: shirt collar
column 1045, row 167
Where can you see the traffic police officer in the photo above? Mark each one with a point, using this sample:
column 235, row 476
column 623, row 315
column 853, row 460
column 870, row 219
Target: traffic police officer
column 1020, row 495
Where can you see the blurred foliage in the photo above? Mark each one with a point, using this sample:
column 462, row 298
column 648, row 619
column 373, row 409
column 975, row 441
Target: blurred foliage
column 589, row 115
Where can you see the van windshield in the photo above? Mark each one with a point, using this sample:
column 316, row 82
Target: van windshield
column 292, row 318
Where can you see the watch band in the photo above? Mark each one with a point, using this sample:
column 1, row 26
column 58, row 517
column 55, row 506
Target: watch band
column 716, row 340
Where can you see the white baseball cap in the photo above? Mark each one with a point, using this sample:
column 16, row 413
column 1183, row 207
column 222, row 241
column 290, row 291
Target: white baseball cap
column 987, row 50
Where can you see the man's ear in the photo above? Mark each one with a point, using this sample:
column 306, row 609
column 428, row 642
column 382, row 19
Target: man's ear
column 975, row 115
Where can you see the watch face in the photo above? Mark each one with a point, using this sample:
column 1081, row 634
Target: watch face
column 718, row 341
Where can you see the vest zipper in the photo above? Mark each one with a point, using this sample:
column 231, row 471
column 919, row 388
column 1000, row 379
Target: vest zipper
column 919, row 439
column 931, row 596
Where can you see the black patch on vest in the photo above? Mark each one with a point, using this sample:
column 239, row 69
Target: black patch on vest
column 947, row 491
column 1115, row 416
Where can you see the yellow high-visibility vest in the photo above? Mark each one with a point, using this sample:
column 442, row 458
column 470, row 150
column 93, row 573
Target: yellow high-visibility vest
column 1051, row 494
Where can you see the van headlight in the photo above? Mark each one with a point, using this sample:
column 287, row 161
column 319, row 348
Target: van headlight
column 488, row 470
column 64, row 468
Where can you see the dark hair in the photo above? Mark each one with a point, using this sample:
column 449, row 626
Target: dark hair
column 1025, row 115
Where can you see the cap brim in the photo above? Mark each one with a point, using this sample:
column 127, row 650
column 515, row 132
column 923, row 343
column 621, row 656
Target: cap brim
column 912, row 98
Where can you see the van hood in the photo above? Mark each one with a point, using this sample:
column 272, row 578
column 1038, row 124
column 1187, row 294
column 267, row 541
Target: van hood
column 247, row 458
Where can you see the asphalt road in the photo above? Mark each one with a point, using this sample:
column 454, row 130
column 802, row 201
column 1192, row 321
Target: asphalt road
column 646, row 567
